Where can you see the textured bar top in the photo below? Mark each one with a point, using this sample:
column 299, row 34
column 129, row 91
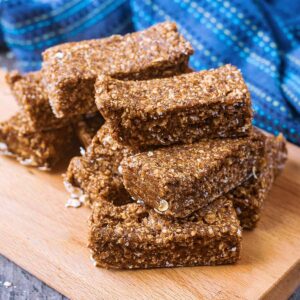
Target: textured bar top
column 183, row 108
column 131, row 236
column 71, row 69
column 32, row 97
column 41, row 149
column 181, row 179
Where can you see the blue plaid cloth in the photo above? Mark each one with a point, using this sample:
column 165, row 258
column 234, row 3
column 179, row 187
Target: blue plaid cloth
column 262, row 38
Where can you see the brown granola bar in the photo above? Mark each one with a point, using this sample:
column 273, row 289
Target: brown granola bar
column 70, row 70
column 181, row 179
column 131, row 236
column 87, row 127
column 85, row 176
column 41, row 149
column 178, row 109
column 248, row 198
column 33, row 99
column 96, row 175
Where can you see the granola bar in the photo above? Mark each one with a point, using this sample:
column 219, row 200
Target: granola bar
column 33, row 99
column 131, row 236
column 70, row 70
column 97, row 175
column 249, row 197
column 178, row 109
column 181, row 179
column 87, row 127
column 85, row 176
column 41, row 149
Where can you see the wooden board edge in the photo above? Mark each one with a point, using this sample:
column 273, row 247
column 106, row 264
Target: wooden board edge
column 285, row 286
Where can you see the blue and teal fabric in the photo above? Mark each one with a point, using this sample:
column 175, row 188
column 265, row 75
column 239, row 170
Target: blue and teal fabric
column 261, row 37
column 31, row 26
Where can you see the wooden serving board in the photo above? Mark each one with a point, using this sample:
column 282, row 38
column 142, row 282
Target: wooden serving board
column 48, row 240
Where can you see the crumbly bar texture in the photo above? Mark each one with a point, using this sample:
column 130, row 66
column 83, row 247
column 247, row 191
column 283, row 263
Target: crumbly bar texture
column 42, row 149
column 97, row 174
column 85, row 176
column 131, row 236
column 177, row 109
column 31, row 96
column 249, row 197
column 70, row 70
column 87, row 127
column 279, row 154
column 179, row 180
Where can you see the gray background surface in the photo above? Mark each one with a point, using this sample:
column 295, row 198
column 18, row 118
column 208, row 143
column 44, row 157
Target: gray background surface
column 16, row 283
column 23, row 285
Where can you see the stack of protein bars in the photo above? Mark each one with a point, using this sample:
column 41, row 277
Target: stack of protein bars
column 34, row 135
column 176, row 171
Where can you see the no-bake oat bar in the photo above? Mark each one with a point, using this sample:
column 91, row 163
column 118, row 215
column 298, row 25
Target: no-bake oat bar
column 178, row 109
column 87, row 127
column 70, row 70
column 131, row 236
column 87, row 177
column 181, row 179
column 30, row 94
column 249, row 197
column 41, row 149
column 97, row 175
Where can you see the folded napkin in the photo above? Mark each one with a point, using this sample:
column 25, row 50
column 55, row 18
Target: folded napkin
column 262, row 38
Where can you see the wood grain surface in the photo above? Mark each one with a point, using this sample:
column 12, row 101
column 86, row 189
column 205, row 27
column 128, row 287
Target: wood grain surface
column 47, row 239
